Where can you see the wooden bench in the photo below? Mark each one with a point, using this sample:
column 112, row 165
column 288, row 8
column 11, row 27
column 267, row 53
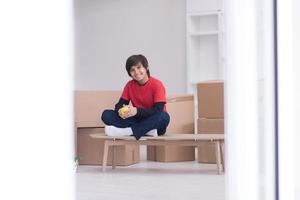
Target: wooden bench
column 169, row 139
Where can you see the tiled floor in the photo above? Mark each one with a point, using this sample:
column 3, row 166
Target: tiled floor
column 151, row 180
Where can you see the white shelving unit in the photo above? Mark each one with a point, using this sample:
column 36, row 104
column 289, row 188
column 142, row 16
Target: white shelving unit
column 204, row 41
column 204, row 28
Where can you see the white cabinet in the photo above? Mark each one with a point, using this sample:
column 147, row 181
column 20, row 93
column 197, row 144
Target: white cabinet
column 204, row 41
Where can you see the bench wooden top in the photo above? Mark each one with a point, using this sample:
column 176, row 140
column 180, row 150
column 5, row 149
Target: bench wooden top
column 193, row 137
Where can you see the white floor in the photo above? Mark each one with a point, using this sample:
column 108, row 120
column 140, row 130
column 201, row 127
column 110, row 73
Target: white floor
column 151, row 180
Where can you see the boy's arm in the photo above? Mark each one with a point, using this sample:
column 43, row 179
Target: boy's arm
column 142, row 113
column 120, row 104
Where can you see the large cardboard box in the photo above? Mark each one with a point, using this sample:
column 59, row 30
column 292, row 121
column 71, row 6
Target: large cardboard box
column 89, row 106
column 181, row 111
column 206, row 151
column 210, row 99
column 90, row 150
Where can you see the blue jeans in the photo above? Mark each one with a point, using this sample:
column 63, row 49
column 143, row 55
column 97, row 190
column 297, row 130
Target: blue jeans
column 140, row 127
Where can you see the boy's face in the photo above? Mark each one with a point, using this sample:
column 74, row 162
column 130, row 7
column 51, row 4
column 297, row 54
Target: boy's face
column 139, row 73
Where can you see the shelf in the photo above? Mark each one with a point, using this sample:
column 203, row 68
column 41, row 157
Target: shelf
column 204, row 33
column 203, row 23
column 199, row 14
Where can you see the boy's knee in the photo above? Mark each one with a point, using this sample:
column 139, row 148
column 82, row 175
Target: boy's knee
column 165, row 117
column 107, row 115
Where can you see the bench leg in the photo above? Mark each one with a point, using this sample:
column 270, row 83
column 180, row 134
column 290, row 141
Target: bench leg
column 222, row 155
column 218, row 156
column 113, row 165
column 105, row 155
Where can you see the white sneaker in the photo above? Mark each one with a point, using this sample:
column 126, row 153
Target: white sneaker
column 152, row 133
column 115, row 131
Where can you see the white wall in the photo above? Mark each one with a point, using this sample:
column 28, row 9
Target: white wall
column 108, row 31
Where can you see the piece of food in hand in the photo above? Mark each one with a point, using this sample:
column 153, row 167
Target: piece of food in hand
column 123, row 110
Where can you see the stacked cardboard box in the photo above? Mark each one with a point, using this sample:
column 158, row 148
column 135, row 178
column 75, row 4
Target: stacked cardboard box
column 210, row 116
column 89, row 106
column 181, row 111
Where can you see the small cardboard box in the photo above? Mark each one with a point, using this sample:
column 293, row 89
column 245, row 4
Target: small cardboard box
column 210, row 99
column 89, row 106
column 206, row 151
column 90, row 150
column 213, row 126
column 181, row 111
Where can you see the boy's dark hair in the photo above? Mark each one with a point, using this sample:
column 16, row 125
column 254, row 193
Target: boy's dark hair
column 135, row 60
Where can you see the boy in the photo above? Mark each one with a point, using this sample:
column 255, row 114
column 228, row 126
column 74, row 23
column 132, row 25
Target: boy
column 147, row 115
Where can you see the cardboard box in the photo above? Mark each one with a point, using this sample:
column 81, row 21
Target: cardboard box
column 210, row 126
column 89, row 106
column 170, row 153
column 90, row 150
column 210, row 99
column 211, row 116
column 206, row 151
column 181, row 111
